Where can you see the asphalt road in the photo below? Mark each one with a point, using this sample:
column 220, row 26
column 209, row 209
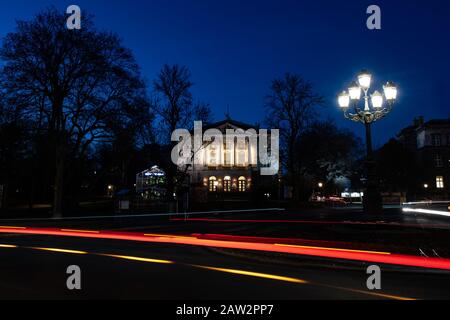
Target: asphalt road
column 113, row 269
column 392, row 231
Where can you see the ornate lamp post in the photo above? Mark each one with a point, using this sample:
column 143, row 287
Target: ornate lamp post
column 374, row 109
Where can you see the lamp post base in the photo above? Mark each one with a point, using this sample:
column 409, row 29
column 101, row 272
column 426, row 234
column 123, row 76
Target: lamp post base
column 373, row 202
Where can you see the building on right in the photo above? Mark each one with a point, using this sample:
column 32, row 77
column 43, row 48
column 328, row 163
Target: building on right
column 429, row 142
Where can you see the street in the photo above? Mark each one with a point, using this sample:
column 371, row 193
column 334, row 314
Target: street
column 180, row 267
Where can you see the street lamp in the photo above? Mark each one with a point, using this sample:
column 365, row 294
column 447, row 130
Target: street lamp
column 374, row 109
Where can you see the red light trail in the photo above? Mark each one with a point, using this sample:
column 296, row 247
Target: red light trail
column 333, row 253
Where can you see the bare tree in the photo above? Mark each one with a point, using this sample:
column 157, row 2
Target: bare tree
column 76, row 83
column 174, row 106
column 291, row 107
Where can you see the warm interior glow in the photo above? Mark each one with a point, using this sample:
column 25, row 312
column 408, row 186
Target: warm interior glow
column 440, row 182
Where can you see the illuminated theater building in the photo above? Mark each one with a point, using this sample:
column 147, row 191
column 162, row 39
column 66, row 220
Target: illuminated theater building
column 229, row 171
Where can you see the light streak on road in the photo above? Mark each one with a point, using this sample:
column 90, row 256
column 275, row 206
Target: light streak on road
column 426, row 203
column 167, row 236
column 427, row 211
column 85, row 231
column 140, row 259
column 254, row 274
column 8, row 227
column 370, row 293
column 60, row 250
column 394, row 259
column 224, row 270
column 331, row 249
column 7, row 246
column 301, row 281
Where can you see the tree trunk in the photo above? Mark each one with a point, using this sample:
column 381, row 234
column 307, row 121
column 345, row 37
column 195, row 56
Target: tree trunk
column 58, row 186
column 293, row 171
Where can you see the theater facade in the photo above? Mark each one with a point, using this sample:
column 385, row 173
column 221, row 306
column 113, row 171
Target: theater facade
column 230, row 171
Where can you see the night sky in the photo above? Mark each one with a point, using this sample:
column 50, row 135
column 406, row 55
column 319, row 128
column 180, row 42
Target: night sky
column 235, row 48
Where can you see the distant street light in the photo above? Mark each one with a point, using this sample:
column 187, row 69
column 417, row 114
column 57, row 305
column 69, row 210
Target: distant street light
column 425, row 186
column 373, row 110
column 320, row 185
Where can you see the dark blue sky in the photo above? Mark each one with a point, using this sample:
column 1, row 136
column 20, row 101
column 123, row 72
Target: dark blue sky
column 234, row 48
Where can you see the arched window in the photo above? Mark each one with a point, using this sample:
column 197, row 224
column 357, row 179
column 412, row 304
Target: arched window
column 213, row 183
column 227, row 184
column 242, row 184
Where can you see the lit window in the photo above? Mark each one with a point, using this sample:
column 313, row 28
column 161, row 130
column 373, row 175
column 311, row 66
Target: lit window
column 241, row 158
column 241, row 153
column 440, row 182
column 213, row 183
column 212, row 157
column 436, row 140
column 242, row 184
column 227, row 157
column 227, row 184
column 438, row 161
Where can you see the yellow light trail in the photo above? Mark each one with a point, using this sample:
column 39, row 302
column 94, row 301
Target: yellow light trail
column 254, row 274
column 379, row 295
column 7, row 246
column 301, row 281
column 8, row 227
column 60, row 250
column 331, row 249
column 140, row 259
column 226, row 270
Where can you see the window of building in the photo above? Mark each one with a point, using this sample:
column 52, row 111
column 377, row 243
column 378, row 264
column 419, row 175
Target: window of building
column 242, row 184
column 227, row 156
column 436, row 140
column 227, row 184
column 212, row 157
column 438, row 161
column 213, row 183
column 241, row 153
column 440, row 182
column 241, row 158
